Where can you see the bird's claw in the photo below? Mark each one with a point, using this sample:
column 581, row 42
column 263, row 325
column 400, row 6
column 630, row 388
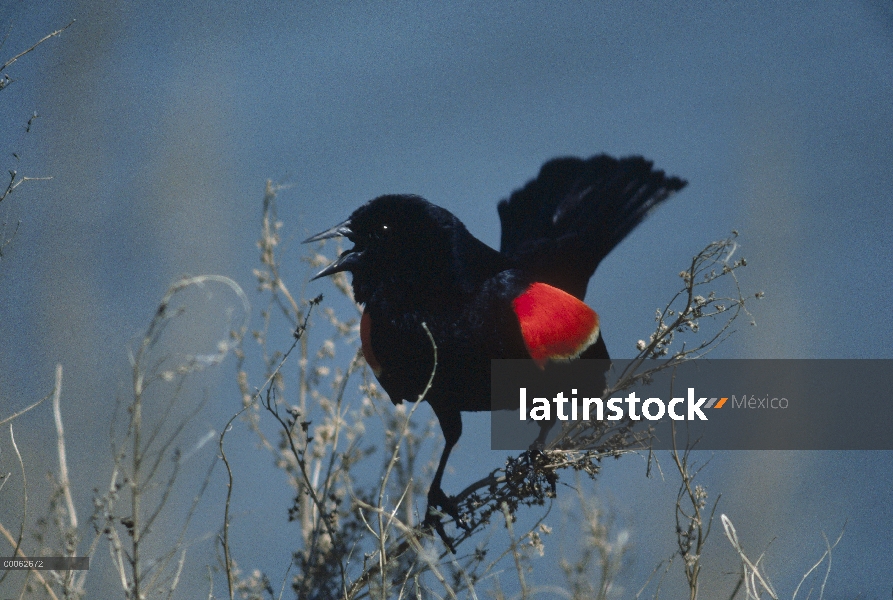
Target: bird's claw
column 432, row 521
column 537, row 457
column 437, row 499
column 535, row 454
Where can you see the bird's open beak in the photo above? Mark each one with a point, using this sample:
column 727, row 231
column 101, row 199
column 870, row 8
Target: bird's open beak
column 341, row 229
column 345, row 262
column 347, row 259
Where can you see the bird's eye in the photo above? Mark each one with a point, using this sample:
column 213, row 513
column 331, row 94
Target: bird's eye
column 380, row 232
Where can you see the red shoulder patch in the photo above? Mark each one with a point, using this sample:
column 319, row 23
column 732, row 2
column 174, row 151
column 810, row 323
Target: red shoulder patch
column 366, row 343
column 555, row 325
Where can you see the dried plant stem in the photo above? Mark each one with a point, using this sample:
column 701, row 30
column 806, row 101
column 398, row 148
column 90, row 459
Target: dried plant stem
column 42, row 40
column 37, row 574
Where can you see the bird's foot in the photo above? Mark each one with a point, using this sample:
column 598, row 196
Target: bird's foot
column 536, row 447
column 536, row 460
column 432, row 521
column 437, row 499
column 440, row 505
column 535, row 455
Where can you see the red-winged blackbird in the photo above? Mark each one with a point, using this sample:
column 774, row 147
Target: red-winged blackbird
column 413, row 262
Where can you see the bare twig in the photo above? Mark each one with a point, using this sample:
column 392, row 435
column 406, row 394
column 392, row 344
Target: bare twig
column 298, row 335
column 23, row 53
column 47, row 587
column 147, row 446
column 827, row 554
column 18, row 414
column 692, row 528
column 64, row 481
column 17, row 545
column 751, row 572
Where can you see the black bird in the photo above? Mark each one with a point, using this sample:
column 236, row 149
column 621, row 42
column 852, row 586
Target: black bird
column 414, row 262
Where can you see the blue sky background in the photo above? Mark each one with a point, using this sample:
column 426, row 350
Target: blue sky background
column 160, row 122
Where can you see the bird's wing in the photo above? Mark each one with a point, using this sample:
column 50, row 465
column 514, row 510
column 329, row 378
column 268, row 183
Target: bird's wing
column 563, row 223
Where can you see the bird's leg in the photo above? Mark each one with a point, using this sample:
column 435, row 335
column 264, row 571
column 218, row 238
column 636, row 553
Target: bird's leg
column 451, row 424
column 535, row 454
column 540, row 442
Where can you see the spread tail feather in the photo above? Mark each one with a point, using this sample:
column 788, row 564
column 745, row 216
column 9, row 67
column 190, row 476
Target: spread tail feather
column 563, row 223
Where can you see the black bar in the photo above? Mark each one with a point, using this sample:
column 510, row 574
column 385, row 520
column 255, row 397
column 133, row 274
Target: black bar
column 743, row 404
column 45, row 563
